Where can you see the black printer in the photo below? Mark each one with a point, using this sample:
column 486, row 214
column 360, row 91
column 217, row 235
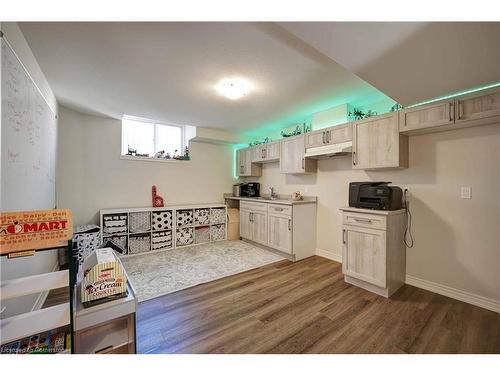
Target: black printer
column 375, row 195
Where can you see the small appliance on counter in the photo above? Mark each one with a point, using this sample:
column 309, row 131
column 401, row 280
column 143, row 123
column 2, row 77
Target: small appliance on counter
column 237, row 189
column 375, row 195
column 250, row 190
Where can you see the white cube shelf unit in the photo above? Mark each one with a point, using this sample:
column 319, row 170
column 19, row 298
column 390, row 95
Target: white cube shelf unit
column 141, row 230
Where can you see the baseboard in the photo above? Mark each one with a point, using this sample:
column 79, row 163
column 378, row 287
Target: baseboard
column 460, row 295
column 40, row 300
column 473, row 299
column 329, row 254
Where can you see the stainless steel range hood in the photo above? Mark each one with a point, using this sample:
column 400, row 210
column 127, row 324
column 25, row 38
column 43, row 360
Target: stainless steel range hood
column 329, row 151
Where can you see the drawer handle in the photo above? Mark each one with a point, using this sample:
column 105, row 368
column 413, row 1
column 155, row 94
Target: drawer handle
column 362, row 220
column 278, row 209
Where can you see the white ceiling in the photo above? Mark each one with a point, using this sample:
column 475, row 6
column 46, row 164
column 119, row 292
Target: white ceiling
column 167, row 71
column 410, row 62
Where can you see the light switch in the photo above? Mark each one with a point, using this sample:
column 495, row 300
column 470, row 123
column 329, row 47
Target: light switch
column 466, row 192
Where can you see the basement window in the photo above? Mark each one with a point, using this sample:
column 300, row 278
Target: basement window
column 152, row 140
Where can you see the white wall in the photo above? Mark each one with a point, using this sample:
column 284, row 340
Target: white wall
column 457, row 241
column 41, row 262
column 91, row 176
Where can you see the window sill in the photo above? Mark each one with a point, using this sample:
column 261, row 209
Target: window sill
column 155, row 160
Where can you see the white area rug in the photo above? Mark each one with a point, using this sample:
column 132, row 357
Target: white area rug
column 163, row 272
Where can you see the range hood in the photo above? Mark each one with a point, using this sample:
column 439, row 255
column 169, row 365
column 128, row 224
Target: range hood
column 329, row 151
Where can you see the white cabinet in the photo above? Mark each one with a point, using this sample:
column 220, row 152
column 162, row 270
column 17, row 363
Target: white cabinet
column 479, row 108
column 331, row 135
column 244, row 164
column 266, row 152
column 373, row 251
column 292, row 160
column 280, row 228
column 290, row 229
column 433, row 116
column 377, row 143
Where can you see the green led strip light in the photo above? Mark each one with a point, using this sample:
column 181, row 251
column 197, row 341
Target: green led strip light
column 456, row 94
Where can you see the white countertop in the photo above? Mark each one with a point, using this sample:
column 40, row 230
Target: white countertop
column 280, row 200
column 374, row 212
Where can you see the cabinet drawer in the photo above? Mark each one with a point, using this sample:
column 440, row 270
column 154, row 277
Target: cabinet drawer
column 253, row 206
column 365, row 220
column 279, row 209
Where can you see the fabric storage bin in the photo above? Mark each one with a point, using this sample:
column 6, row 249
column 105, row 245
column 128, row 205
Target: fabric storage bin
column 184, row 218
column 139, row 244
column 117, row 243
column 202, row 234
column 162, row 220
column 115, row 223
column 184, row 236
column 139, row 222
column 218, row 232
column 218, row 216
column 85, row 239
column 161, row 240
column 201, row 216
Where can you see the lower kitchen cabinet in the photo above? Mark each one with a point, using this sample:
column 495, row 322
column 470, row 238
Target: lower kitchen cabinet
column 373, row 251
column 288, row 228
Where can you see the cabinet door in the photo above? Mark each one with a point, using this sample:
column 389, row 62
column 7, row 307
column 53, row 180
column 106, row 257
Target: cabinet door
column 257, row 153
column 478, row 106
column 245, row 224
column 280, row 232
column 315, row 139
column 376, row 143
column 259, row 227
column 292, row 156
column 339, row 134
column 364, row 255
column 272, row 151
column 241, row 161
column 427, row 116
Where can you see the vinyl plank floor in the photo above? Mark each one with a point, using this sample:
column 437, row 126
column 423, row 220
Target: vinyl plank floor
column 306, row 307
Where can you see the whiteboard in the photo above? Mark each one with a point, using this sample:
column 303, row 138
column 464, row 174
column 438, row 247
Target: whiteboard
column 29, row 135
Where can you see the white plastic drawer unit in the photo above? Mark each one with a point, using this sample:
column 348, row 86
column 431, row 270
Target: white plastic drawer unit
column 365, row 220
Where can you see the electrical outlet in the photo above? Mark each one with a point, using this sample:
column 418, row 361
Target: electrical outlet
column 466, row 192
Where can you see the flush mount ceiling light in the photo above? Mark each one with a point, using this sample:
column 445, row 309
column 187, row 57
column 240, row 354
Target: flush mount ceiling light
column 233, row 88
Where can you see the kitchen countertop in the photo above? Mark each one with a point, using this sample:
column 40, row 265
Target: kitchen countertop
column 375, row 212
column 282, row 199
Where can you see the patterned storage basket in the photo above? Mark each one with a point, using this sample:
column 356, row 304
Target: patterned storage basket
column 118, row 243
column 86, row 238
column 161, row 240
column 115, row 223
column 201, row 216
column 184, row 236
column 218, row 232
column 202, row 234
column 218, row 216
column 139, row 244
column 184, row 218
column 162, row 220
column 139, row 222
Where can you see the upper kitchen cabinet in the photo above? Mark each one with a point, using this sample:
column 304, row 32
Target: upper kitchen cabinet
column 331, row 135
column 427, row 118
column 266, row 152
column 292, row 156
column 377, row 143
column 245, row 168
column 479, row 108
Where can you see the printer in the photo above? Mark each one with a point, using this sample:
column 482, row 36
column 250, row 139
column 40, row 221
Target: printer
column 375, row 195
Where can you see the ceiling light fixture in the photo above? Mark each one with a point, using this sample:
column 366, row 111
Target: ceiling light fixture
column 233, row 88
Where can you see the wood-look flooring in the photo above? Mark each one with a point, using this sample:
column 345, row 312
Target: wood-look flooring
column 306, row 307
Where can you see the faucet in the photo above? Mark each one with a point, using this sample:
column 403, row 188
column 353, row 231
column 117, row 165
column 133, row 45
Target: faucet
column 273, row 194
